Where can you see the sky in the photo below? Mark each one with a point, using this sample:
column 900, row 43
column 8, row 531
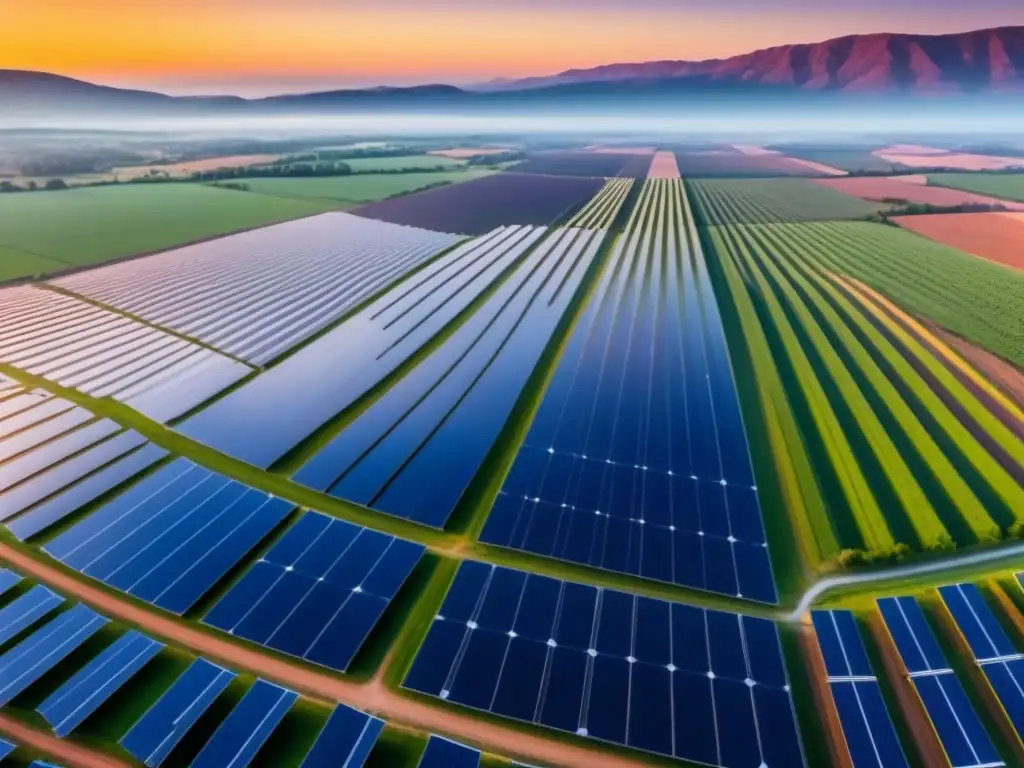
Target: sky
column 260, row 47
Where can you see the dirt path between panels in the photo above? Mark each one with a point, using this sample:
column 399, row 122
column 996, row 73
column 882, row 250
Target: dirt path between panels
column 371, row 697
column 70, row 754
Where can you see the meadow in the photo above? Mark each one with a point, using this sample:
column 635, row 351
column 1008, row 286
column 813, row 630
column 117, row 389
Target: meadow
column 74, row 228
column 1006, row 185
column 402, row 163
column 356, row 189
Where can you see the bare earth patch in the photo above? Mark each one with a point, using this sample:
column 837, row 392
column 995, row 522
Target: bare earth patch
column 998, row 371
column 910, row 149
column 598, row 149
column 960, row 162
column 828, row 170
column 663, row 166
column 462, row 153
column 194, row 166
column 877, row 188
column 997, row 237
column 754, row 151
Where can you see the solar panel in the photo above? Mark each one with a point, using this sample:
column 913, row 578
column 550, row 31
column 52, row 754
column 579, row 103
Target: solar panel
column 68, row 707
column 396, row 457
column 346, row 739
column 8, row 579
column 164, row 724
column 319, row 591
column 442, row 753
column 960, row 732
column 41, row 764
column 868, row 729
column 977, row 622
column 637, row 460
column 172, row 536
column 41, row 651
column 321, row 380
column 248, row 726
column 26, row 610
column 6, row 748
column 662, row 677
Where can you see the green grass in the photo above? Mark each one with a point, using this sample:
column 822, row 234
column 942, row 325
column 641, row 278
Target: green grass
column 402, row 163
column 844, row 159
column 15, row 264
column 85, row 226
column 761, row 201
column 355, row 189
column 1006, row 185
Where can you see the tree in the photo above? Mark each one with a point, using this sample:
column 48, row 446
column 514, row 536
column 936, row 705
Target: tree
column 33, row 186
column 55, row 184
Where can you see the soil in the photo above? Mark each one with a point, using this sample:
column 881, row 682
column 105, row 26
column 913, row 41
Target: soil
column 68, row 753
column 995, row 237
column 869, row 188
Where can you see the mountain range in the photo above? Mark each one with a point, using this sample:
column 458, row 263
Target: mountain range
column 989, row 61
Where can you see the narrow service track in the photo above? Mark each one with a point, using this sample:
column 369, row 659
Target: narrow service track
column 69, row 754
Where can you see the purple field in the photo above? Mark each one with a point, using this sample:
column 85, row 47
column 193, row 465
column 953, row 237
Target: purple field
column 600, row 164
column 476, row 207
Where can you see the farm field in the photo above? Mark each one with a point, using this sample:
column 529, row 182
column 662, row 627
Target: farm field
column 479, row 206
column 605, row 164
column 903, row 453
column 104, row 223
column 844, row 159
column 997, row 237
column 961, row 161
column 727, row 164
column 1007, row 186
column 187, row 168
column 773, row 200
column 883, row 189
column 347, row 191
column 15, row 264
column 402, row 163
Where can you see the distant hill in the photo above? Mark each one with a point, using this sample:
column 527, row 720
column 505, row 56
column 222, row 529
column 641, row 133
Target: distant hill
column 987, row 61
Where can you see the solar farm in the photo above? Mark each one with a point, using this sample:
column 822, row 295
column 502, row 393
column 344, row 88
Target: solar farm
column 620, row 455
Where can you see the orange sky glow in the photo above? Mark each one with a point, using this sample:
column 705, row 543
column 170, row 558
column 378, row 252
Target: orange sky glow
column 246, row 45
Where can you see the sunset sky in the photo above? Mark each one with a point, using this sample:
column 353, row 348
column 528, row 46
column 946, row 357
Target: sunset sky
column 256, row 47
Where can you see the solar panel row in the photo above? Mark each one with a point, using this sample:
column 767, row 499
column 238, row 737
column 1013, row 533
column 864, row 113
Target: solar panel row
column 81, row 695
column 170, row 537
column 663, row 677
column 960, row 731
column 164, row 724
column 8, row 579
column 248, row 726
column 637, row 459
column 319, row 591
column 442, row 753
column 994, row 651
column 257, row 294
column 415, row 450
column 321, row 380
column 870, row 735
column 41, row 651
column 346, row 740
column 26, row 610
column 101, row 353
column 6, row 747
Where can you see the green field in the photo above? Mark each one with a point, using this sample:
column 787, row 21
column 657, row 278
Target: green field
column 901, row 452
column 844, row 159
column 401, row 163
column 762, row 201
column 356, row 189
column 1006, row 185
column 86, row 226
column 14, row 264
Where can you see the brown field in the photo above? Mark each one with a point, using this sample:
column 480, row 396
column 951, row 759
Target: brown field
column 462, row 153
column 877, row 188
column 753, row 150
column 997, row 237
column 957, row 161
column 1005, row 376
column 606, row 150
column 910, row 149
column 828, row 170
column 193, row 166
column 663, row 166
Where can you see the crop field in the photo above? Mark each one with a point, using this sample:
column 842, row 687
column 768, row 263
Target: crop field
column 844, row 159
column 106, row 223
column 903, row 453
column 348, row 191
column 402, row 163
column 762, row 201
column 15, row 264
column 585, row 164
column 1008, row 186
column 885, row 190
column 725, row 164
column 481, row 205
column 998, row 237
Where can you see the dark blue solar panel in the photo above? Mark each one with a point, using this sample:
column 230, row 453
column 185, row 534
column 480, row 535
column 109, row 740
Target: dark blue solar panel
column 347, row 739
column 238, row 739
column 637, row 461
column 319, row 591
column 68, row 707
column 962, row 735
column 611, row 666
column 977, row 622
column 870, row 735
column 441, row 753
column 6, row 748
column 41, row 651
column 414, row 451
column 164, row 724
column 8, row 579
column 914, row 639
column 1007, row 680
column 26, row 610
column 172, row 536
column 841, row 644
